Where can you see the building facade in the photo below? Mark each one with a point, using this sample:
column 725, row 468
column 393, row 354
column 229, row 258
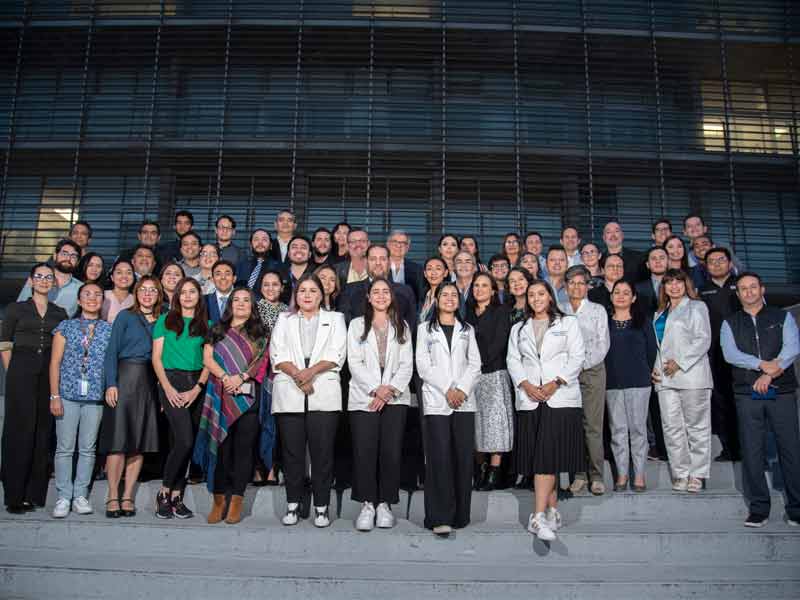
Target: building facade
column 468, row 116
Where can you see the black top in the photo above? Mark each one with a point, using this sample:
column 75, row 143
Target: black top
column 492, row 329
column 601, row 295
column 26, row 329
column 448, row 333
column 722, row 302
column 630, row 359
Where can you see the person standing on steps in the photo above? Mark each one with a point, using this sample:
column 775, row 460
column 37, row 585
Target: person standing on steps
column 76, row 398
column 545, row 358
column 25, row 345
column 229, row 428
column 761, row 343
column 381, row 362
column 449, row 364
column 307, row 351
column 177, row 359
column 130, row 416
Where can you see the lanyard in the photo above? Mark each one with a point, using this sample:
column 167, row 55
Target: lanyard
column 86, row 342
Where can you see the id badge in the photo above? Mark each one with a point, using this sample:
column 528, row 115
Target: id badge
column 246, row 388
column 84, row 386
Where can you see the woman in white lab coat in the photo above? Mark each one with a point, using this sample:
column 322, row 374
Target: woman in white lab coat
column 545, row 357
column 449, row 364
column 381, row 362
column 307, row 351
column 683, row 381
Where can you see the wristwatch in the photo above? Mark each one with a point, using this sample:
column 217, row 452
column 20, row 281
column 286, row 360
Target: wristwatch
column 559, row 381
column 55, row 397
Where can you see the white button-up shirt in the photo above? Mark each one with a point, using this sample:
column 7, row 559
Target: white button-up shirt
column 593, row 321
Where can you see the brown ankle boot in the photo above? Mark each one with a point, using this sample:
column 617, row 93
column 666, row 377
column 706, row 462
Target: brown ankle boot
column 217, row 508
column 235, row 510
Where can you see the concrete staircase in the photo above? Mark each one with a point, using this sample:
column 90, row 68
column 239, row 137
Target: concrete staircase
column 622, row 545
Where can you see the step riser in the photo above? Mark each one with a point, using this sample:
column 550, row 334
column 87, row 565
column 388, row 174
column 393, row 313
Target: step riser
column 35, row 584
column 506, row 547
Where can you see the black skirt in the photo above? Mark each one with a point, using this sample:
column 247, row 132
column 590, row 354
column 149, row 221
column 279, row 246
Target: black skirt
column 132, row 426
column 549, row 441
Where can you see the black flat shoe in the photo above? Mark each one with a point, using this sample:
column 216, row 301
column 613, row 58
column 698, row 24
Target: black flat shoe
column 112, row 514
column 620, row 487
column 16, row 509
column 127, row 512
column 28, row 507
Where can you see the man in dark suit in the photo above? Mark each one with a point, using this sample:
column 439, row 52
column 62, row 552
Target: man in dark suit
column 168, row 251
column 249, row 270
column 222, row 273
column 300, row 263
column 647, row 290
column 613, row 236
column 285, row 227
column 401, row 269
column 355, row 267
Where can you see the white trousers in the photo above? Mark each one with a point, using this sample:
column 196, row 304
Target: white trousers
column 686, row 419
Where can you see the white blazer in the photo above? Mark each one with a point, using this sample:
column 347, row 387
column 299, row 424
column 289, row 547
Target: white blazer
column 365, row 367
column 441, row 368
column 687, row 339
column 562, row 356
column 285, row 346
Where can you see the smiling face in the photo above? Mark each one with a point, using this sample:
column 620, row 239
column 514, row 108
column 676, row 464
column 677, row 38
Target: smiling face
column 299, row 253
column 80, row 235
column 577, row 288
column 380, row 296
column 614, row 269
column 468, row 245
column 530, row 263
column 208, row 256
column 170, row 278
column 271, row 287
column 556, row 262
column 590, row 255
column 675, row 289
column 622, row 298
column 464, row 264
column 517, row 284
column 309, row 296
column 482, row 289
column 357, row 243
column 225, row 230
column 750, row 292
column 694, row 227
column 189, row 297
column 539, row 299
column 447, row 300
column 222, row 276
column 340, row 235
column 285, row 224
column 190, row 247
column 499, row 270
column 435, row 272
column 612, row 235
column 511, row 245
column 147, row 295
column 260, row 243
column 327, row 277
column 570, row 240
column 42, row 280
column 143, row 261
column 94, row 268
column 149, row 235
column 675, row 251
column 378, row 262
column 533, row 243
column 448, row 248
column 122, row 276
column 241, row 304
column 657, row 261
column 91, row 298
column 322, row 243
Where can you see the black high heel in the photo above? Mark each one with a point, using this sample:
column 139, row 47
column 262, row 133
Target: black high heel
column 490, row 481
column 127, row 512
column 113, row 514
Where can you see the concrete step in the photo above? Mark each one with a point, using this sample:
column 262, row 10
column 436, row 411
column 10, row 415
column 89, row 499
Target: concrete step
column 94, row 574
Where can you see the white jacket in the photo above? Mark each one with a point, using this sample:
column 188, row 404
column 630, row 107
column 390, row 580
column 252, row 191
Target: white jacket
column 562, row 356
column 365, row 367
column 285, row 346
column 687, row 338
column 593, row 321
column 441, row 368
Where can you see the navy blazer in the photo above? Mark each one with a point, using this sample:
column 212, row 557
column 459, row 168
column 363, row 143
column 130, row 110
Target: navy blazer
column 246, row 266
column 412, row 273
column 213, row 307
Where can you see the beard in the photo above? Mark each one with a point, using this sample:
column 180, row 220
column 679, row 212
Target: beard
column 65, row 266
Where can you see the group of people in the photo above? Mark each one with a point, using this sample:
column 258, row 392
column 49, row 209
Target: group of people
column 343, row 353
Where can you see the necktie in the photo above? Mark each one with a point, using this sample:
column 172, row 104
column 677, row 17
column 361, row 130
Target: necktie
column 254, row 275
column 223, row 301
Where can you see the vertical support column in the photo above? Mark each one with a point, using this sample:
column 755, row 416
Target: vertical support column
column 517, row 166
column 370, row 105
column 659, row 129
column 12, row 122
column 793, row 131
column 443, row 198
column 728, row 110
column 82, row 121
column 148, row 151
column 297, row 87
column 588, row 114
column 221, row 147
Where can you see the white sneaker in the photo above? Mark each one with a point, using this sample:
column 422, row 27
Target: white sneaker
column 81, row 506
column 291, row 517
column 680, row 485
column 553, row 518
column 385, row 518
column 366, row 518
column 321, row 519
column 61, row 508
column 538, row 526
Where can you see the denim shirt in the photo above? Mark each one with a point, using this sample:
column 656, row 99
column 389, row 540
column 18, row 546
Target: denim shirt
column 76, row 334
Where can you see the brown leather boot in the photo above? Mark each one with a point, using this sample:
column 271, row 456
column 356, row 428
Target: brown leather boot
column 235, row 510
column 217, row 508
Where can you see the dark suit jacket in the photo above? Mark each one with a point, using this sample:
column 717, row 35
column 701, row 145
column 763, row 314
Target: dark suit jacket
column 413, row 274
column 646, row 297
column 246, row 266
column 352, row 300
column 213, row 307
column 342, row 268
column 634, row 265
column 275, row 252
column 167, row 251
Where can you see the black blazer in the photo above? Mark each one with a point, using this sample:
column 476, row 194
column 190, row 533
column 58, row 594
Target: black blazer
column 646, row 297
column 246, row 266
column 413, row 274
column 353, row 299
column 275, row 252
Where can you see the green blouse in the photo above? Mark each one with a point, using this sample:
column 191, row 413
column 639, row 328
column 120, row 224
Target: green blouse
column 182, row 352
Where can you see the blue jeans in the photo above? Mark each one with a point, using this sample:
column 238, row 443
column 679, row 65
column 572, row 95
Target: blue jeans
column 81, row 421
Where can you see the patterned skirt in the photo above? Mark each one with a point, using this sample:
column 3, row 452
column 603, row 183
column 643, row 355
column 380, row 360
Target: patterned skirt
column 494, row 414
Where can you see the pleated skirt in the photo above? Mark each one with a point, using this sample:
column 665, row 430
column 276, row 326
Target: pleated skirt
column 549, row 441
column 132, row 426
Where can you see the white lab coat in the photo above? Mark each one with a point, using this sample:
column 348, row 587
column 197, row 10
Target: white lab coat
column 562, row 356
column 441, row 368
column 285, row 346
column 593, row 321
column 365, row 368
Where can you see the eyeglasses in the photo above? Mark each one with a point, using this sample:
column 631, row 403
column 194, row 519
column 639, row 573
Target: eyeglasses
column 588, row 252
column 615, row 267
column 717, row 261
column 68, row 254
column 41, row 277
column 225, row 227
column 148, row 290
column 207, row 254
column 575, row 282
column 398, row 242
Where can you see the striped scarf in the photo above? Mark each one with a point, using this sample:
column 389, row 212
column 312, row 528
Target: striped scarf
column 235, row 354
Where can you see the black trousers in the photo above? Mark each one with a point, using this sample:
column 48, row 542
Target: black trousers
column 723, row 406
column 27, row 428
column 378, row 453
column 235, row 457
column 449, row 447
column 318, row 430
column 756, row 417
column 183, row 424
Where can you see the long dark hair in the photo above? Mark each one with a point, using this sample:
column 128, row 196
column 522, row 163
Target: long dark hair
column 471, row 302
column 665, row 301
column 509, row 299
column 334, row 245
column 425, row 284
column 198, row 326
column 122, row 261
column 433, row 318
column 84, row 262
column 638, row 316
column 253, row 327
column 685, row 259
column 477, row 254
column 553, row 312
column 392, row 312
column 308, row 277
